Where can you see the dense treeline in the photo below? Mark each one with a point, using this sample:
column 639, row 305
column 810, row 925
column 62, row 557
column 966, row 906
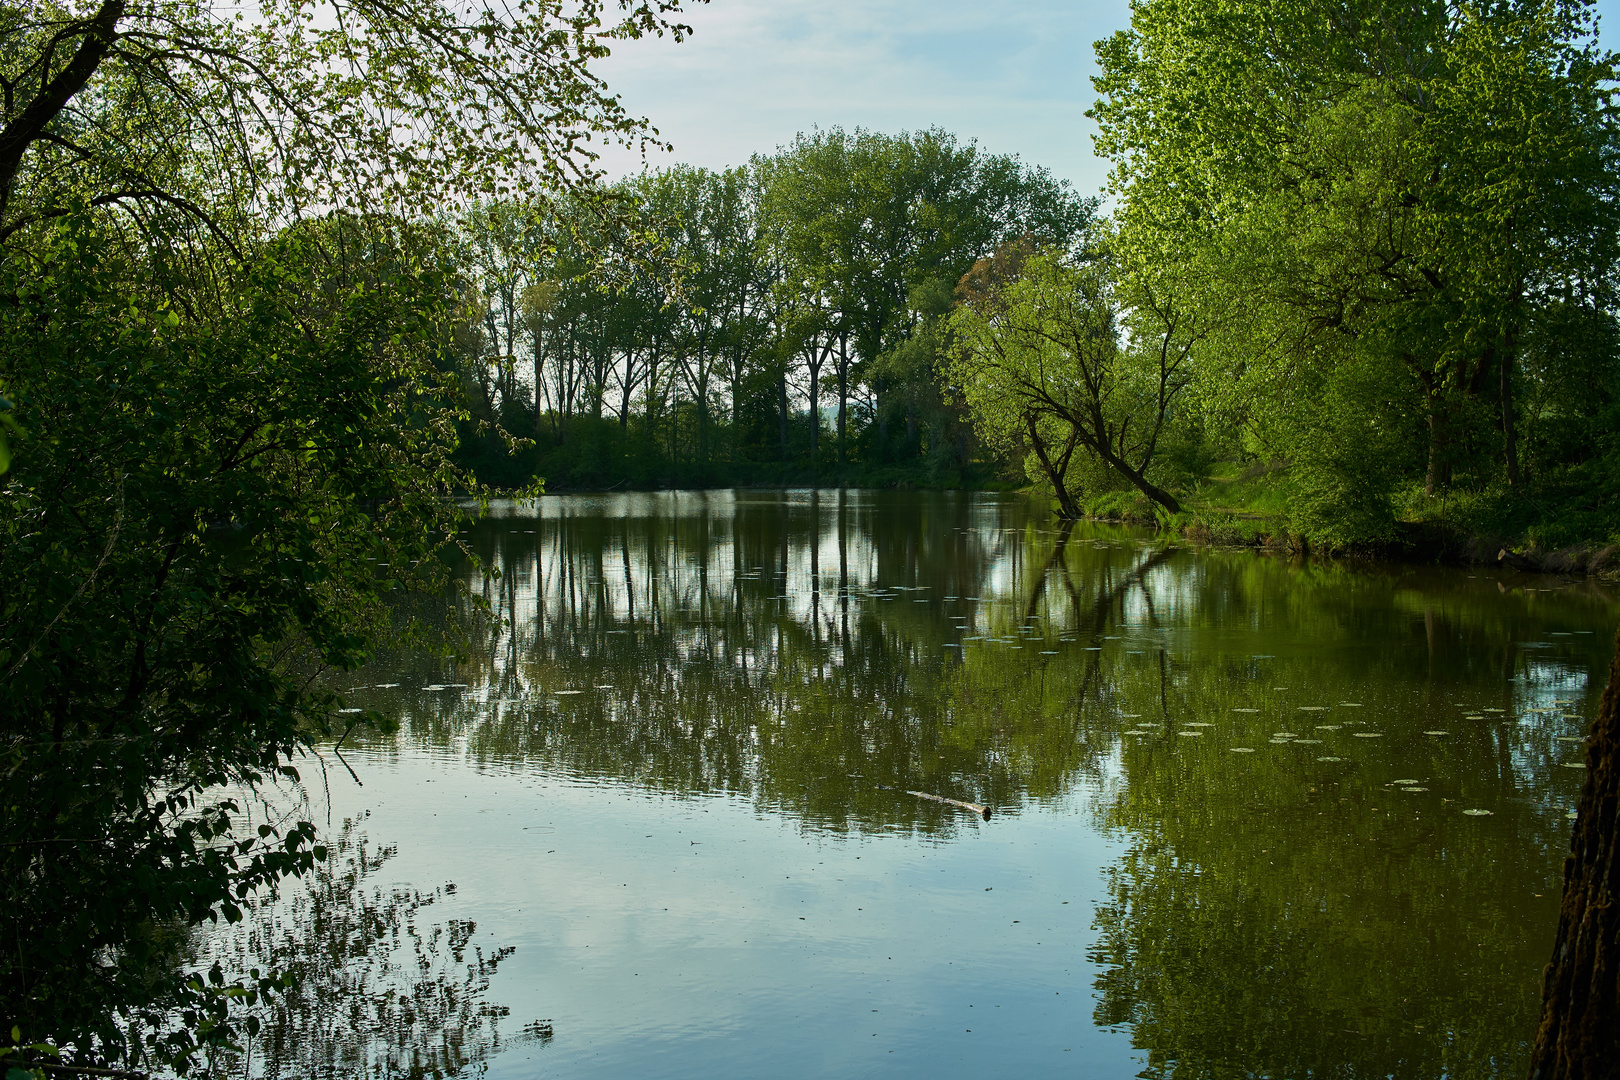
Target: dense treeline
column 1396, row 227
column 756, row 324
column 1367, row 256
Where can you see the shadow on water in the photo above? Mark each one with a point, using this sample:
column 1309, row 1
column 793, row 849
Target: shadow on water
column 1288, row 751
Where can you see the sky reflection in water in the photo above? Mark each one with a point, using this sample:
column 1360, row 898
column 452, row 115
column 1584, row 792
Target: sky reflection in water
column 1226, row 837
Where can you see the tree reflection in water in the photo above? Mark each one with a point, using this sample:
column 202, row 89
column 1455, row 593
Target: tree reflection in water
column 1287, row 912
column 376, row 989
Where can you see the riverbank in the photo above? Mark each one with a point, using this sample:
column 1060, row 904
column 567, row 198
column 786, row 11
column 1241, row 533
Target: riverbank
column 1551, row 528
column 1559, row 528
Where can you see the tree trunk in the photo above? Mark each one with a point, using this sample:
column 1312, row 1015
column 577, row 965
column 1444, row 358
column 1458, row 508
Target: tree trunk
column 815, row 415
column 843, row 391
column 1439, row 474
column 1510, row 435
column 1138, row 479
column 1055, row 473
column 1579, row 1035
column 539, row 414
column 879, row 387
column 782, row 402
column 1153, row 491
column 99, row 32
column 703, row 425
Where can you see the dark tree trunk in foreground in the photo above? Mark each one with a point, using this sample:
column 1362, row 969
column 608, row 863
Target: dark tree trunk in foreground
column 1579, row 1036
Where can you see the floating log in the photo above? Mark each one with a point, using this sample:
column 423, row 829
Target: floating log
column 982, row 811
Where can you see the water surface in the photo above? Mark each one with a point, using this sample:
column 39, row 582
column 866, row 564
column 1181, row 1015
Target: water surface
column 1248, row 817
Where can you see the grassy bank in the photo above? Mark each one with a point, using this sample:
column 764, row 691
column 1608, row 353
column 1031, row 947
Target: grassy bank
column 1562, row 525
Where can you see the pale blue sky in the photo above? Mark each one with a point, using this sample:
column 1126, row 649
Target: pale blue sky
column 1013, row 76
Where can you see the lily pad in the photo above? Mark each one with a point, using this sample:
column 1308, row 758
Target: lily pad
column 1367, row 734
column 1246, row 710
column 566, row 693
column 1313, row 708
column 1330, row 758
column 1572, row 764
column 1437, row 733
column 1405, row 782
column 1190, row 734
column 1242, row 749
column 1413, row 790
column 1283, row 735
column 1328, row 727
column 1477, row 813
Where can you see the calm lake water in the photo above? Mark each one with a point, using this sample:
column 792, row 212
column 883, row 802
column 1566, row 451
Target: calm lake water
column 1248, row 817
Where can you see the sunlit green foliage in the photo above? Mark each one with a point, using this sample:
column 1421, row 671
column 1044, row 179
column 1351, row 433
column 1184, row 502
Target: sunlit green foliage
column 1398, row 218
column 1044, row 362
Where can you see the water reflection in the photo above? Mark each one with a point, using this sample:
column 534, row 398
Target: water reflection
column 1287, row 750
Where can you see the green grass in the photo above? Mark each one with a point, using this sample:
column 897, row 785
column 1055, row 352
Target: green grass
column 1575, row 512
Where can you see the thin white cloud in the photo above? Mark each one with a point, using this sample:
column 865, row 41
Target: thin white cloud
column 756, row 72
column 1013, row 76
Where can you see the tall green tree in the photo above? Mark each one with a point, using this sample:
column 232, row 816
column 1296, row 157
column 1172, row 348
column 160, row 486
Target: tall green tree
column 200, row 518
column 1042, row 361
column 1389, row 201
column 860, row 219
column 230, row 353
